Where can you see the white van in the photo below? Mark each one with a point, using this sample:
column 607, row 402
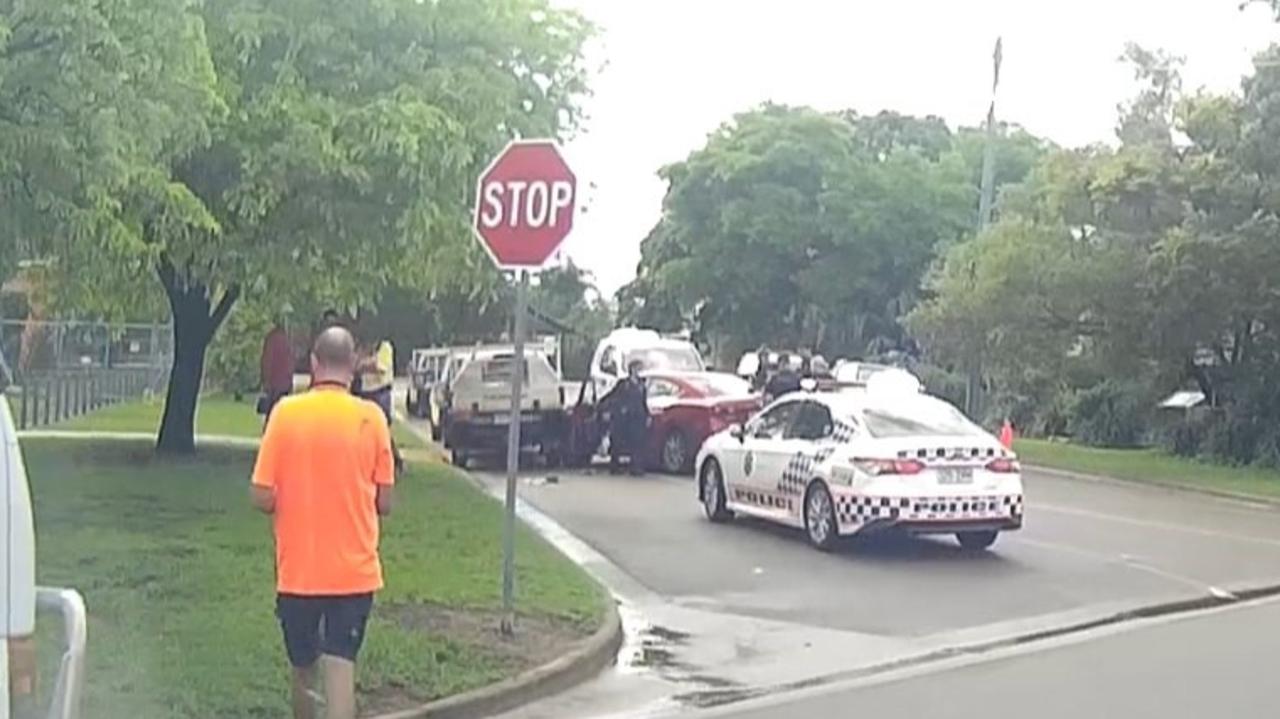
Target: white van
column 19, row 596
column 653, row 351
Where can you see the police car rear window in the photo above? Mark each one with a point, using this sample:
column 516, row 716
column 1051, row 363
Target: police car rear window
column 920, row 418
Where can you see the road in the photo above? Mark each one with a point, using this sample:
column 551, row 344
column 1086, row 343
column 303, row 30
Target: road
column 1218, row 665
column 754, row 610
column 723, row 617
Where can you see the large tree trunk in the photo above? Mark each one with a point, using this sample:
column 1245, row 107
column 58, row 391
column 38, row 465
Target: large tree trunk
column 195, row 320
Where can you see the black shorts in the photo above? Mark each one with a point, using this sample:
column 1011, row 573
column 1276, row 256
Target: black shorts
column 322, row 624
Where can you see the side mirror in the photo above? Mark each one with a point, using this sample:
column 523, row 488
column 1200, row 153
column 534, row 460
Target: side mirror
column 738, row 432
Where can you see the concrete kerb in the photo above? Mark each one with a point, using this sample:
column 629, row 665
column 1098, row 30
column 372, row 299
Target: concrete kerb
column 1269, row 502
column 587, row 659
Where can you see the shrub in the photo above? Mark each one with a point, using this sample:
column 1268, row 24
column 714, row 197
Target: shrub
column 1109, row 414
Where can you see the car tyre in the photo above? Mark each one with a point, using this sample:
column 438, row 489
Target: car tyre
column 711, row 492
column 820, row 525
column 674, row 455
column 977, row 541
column 459, row 459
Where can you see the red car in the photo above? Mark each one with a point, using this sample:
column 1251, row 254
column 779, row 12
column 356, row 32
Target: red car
column 684, row 409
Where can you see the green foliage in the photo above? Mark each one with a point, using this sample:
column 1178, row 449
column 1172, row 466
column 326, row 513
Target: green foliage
column 234, row 357
column 567, row 297
column 1154, row 262
column 826, row 222
column 302, row 151
column 1110, row 414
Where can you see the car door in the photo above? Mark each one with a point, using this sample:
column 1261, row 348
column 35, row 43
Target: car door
column 763, row 456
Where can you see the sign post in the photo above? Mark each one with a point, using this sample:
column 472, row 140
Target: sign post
column 525, row 204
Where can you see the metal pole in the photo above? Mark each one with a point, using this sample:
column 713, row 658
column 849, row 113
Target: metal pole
column 513, row 462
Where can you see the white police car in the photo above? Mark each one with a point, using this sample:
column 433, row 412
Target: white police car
column 875, row 457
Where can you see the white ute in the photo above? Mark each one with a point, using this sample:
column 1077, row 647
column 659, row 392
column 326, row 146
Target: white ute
column 883, row 457
column 20, row 597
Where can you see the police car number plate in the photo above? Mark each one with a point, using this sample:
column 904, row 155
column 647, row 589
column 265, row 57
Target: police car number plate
column 955, row 475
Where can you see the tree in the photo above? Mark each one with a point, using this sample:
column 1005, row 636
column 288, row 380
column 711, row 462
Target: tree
column 829, row 220
column 568, row 297
column 335, row 159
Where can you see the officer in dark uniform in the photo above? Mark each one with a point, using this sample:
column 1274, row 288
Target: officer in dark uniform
column 628, row 407
column 786, row 380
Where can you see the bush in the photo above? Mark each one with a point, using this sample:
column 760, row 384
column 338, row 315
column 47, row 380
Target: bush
column 1109, row 414
column 234, row 356
column 941, row 382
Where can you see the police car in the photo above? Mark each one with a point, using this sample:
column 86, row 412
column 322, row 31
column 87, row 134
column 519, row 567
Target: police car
column 882, row 455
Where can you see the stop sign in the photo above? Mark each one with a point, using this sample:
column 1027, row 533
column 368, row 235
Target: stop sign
column 525, row 202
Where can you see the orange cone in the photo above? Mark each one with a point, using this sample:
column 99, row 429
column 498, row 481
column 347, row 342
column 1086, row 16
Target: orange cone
column 1006, row 434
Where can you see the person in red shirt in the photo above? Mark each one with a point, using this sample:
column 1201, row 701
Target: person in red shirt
column 277, row 368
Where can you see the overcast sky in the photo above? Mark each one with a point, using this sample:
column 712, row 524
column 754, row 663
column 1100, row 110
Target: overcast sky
column 673, row 70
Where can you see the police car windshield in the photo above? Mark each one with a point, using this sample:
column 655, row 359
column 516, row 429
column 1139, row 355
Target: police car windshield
column 919, row 417
column 673, row 359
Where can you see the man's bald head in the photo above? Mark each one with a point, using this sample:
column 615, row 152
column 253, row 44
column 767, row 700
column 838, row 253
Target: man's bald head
column 333, row 356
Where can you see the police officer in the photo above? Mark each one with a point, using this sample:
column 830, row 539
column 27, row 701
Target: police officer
column 786, row 380
column 628, row 407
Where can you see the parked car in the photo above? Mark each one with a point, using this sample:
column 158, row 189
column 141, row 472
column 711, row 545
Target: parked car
column 886, row 456
column 479, row 406
column 20, row 597
column 655, row 352
column 684, row 408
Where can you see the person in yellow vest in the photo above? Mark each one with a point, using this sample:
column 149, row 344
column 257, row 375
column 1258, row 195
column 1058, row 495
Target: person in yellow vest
column 377, row 376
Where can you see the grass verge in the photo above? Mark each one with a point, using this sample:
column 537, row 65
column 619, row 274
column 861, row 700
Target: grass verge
column 1150, row 465
column 216, row 415
column 177, row 572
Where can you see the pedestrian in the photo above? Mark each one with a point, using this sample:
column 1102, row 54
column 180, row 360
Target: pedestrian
column 785, row 381
column 628, row 407
column 277, row 368
column 762, row 368
column 324, row 473
column 375, row 379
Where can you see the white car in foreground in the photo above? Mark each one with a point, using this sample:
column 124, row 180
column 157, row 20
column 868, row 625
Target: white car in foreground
column 20, row 598
column 863, row 460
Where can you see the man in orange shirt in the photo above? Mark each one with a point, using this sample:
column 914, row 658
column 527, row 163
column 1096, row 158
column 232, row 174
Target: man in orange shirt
column 325, row 474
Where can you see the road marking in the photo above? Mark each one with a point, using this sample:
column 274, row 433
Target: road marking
column 1182, row 528
column 1133, row 562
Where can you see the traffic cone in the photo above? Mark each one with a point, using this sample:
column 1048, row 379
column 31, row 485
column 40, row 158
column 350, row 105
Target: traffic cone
column 1006, row 434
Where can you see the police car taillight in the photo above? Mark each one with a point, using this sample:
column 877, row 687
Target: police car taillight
column 1003, row 465
column 879, row 467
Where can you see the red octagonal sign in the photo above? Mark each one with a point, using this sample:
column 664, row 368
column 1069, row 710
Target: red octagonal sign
column 525, row 203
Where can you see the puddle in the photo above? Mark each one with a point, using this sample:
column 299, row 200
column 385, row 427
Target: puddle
column 654, row 649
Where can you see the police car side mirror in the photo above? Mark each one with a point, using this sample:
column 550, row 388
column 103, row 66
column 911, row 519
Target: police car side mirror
column 738, row 432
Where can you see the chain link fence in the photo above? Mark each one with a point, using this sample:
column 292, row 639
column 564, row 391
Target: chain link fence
column 62, row 369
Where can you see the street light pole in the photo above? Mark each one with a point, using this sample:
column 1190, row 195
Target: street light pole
column 986, row 202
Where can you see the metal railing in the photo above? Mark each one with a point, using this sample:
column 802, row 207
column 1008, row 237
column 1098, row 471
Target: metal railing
column 68, row 688
column 45, row 398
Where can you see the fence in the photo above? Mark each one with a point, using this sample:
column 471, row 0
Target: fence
column 48, row 398
column 62, row 369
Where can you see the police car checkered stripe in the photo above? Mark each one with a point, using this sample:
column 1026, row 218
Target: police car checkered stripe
column 795, row 477
column 855, row 510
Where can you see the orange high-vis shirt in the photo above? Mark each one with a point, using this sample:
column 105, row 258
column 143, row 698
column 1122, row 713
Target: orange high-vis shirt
column 324, row 453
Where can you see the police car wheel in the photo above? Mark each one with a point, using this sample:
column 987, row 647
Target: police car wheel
column 675, row 453
column 820, row 517
column 712, row 492
column 977, row 541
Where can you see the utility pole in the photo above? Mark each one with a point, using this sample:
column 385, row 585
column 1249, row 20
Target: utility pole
column 986, row 201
